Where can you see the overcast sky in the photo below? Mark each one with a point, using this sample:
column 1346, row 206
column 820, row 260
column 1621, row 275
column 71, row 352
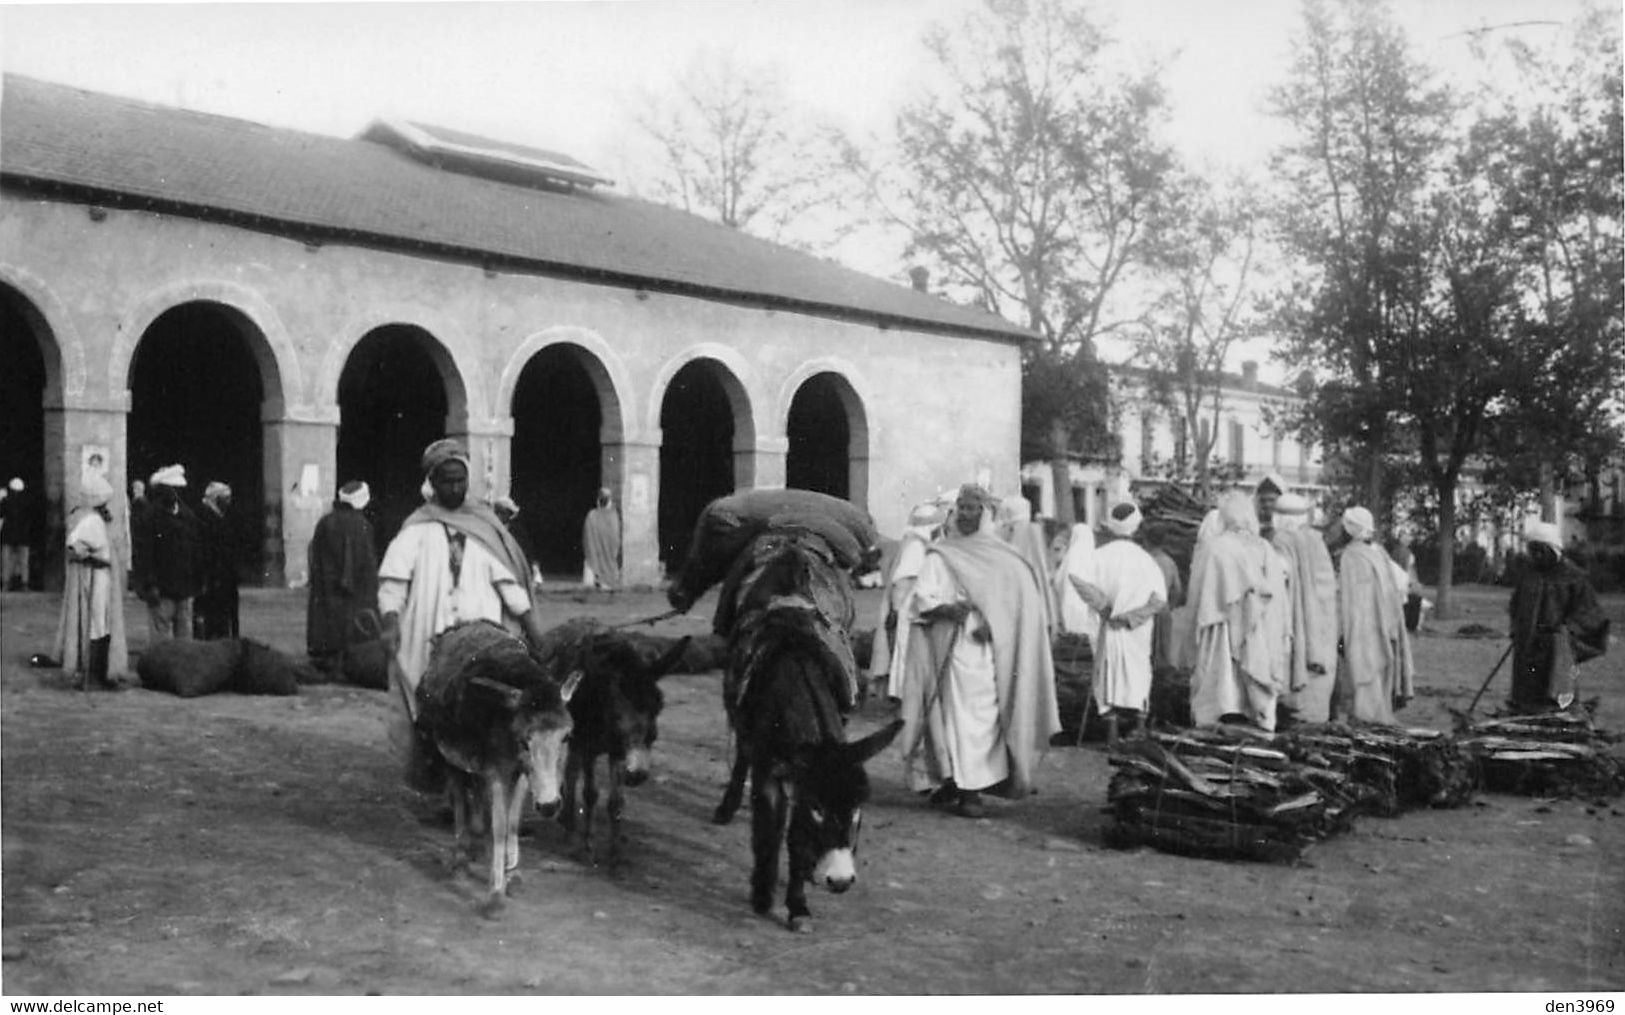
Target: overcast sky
column 563, row 75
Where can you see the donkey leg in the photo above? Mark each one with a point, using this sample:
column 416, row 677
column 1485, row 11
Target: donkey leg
column 572, row 774
column 499, row 838
column 769, row 812
column 795, row 893
column 462, row 833
column 734, row 795
column 516, row 810
column 589, row 805
column 615, row 807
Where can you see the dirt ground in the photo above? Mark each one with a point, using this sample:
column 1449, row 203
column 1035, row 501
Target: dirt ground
column 237, row 845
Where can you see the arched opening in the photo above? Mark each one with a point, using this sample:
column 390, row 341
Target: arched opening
column 23, row 338
column 196, row 388
column 392, row 404
column 702, row 415
column 828, row 439
column 557, row 453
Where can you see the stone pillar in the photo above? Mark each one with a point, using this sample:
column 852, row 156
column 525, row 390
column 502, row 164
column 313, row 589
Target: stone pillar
column 632, row 472
column 490, row 450
column 71, row 431
column 301, row 459
column 762, row 465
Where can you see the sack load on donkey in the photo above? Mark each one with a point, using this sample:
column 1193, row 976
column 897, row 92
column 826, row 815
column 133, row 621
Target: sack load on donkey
column 729, row 524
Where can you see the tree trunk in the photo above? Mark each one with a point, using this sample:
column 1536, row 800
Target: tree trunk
column 1548, row 493
column 1445, row 605
column 1061, row 471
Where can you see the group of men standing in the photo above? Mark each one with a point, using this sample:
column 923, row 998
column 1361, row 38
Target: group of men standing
column 1282, row 623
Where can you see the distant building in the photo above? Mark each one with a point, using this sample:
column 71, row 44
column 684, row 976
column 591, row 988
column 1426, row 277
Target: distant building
column 285, row 311
column 1153, row 441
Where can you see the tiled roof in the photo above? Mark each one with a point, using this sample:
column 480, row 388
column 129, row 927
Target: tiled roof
column 279, row 179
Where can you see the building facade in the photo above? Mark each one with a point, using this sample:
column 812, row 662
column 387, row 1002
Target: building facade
column 1152, row 440
column 285, row 312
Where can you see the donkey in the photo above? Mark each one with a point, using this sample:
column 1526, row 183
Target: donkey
column 498, row 721
column 615, row 712
column 805, row 778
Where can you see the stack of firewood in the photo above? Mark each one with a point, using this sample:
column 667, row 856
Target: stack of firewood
column 1558, row 754
column 1207, row 793
column 1391, row 769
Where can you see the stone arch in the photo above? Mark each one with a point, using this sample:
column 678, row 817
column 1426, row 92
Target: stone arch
column 566, row 392
column 608, row 373
column 708, row 430
column 65, row 362
column 33, row 435
column 451, row 350
column 822, row 394
column 738, row 379
column 268, row 339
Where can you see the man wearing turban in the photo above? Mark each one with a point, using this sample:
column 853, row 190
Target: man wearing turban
column 167, row 557
column 1236, row 662
column 221, row 543
column 453, row 561
column 1126, row 593
column 1557, row 624
column 343, row 567
column 979, row 691
column 887, row 655
column 1311, row 667
column 601, row 544
column 1376, row 675
column 90, row 630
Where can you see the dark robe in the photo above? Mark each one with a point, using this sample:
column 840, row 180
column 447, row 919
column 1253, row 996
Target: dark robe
column 167, row 553
column 216, row 607
column 343, row 580
column 1543, row 664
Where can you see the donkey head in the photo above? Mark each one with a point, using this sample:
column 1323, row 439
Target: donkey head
column 831, row 791
column 629, row 701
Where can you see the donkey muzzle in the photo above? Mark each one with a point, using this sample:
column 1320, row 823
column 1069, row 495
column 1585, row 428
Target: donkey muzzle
column 836, row 870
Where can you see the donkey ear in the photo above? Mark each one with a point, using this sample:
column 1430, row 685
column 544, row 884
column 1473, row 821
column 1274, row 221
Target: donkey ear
column 569, row 686
column 860, row 751
column 668, row 662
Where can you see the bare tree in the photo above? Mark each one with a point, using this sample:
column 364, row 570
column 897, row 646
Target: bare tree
column 730, row 146
column 1206, row 251
column 1031, row 186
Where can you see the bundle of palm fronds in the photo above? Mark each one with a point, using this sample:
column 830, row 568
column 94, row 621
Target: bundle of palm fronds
column 1208, row 793
column 1392, row 769
column 1556, row 754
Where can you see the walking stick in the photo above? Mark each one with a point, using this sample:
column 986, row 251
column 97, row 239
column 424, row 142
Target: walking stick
column 1489, row 678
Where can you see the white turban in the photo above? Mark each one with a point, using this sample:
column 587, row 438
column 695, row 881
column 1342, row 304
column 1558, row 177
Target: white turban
column 356, row 494
column 1358, row 523
column 1543, row 532
column 1291, row 512
column 16, row 484
column 216, row 489
column 1015, row 508
column 169, row 475
column 1124, row 523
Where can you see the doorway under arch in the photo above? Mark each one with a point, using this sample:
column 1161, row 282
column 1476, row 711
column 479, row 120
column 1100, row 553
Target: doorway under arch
column 25, row 343
column 198, row 383
column 557, row 451
column 828, row 438
column 704, row 417
column 395, row 394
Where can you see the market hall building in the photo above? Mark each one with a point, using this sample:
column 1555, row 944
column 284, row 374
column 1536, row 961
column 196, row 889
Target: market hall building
column 285, row 311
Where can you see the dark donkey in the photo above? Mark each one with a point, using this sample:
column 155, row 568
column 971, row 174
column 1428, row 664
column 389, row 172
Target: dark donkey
column 492, row 713
column 615, row 711
column 791, row 690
